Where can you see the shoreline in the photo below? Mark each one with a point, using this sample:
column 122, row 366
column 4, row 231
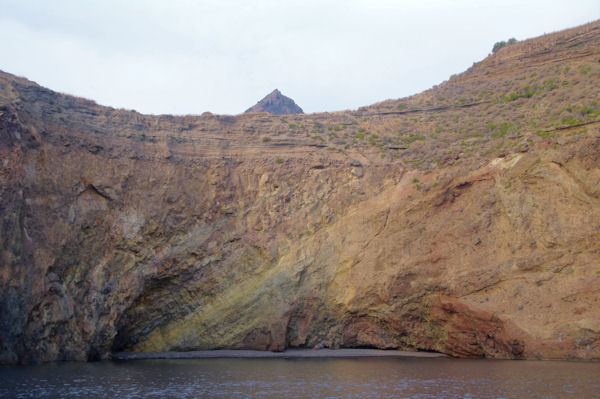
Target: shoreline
column 287, row 354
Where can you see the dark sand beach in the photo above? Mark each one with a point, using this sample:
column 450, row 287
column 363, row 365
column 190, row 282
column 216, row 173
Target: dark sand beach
column 290, row 353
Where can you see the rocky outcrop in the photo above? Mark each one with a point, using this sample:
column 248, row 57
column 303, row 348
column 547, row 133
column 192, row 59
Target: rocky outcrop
column 467, row 230
column 276, row 103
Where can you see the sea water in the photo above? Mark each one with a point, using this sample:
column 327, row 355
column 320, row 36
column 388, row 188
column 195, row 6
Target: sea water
column 304, row 378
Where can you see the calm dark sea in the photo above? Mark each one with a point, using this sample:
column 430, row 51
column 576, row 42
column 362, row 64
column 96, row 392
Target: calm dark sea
column 304, row 378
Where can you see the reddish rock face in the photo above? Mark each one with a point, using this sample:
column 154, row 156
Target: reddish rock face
column 462, row 220
column 475, row 333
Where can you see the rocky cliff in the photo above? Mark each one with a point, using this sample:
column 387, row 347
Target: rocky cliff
column 463, row 220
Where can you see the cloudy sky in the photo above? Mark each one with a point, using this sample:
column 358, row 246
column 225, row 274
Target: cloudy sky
column 184, row 56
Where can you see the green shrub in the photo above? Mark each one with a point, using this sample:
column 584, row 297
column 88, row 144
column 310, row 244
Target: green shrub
column 414, row 137
column 525, row 92
column 582, row 131
column 569, row 120
column 545, row 134
column 499, row 45
column 550, row 85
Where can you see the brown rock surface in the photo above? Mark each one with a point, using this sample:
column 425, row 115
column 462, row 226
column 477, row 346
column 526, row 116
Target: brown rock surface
column 463, row 220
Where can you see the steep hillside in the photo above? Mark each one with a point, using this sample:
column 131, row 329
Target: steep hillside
column 464, row 220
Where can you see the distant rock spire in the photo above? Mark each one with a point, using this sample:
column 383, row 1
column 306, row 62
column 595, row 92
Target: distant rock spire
column 276, row 103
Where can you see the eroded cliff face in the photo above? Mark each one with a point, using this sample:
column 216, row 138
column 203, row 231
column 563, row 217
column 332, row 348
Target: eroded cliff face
column 460, row 220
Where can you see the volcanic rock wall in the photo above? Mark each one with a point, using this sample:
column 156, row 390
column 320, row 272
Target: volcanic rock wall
column 464, row 220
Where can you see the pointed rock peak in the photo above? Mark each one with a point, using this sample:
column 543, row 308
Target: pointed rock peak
column 276, row 103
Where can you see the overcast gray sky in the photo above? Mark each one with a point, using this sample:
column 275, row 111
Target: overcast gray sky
column 223, row 56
